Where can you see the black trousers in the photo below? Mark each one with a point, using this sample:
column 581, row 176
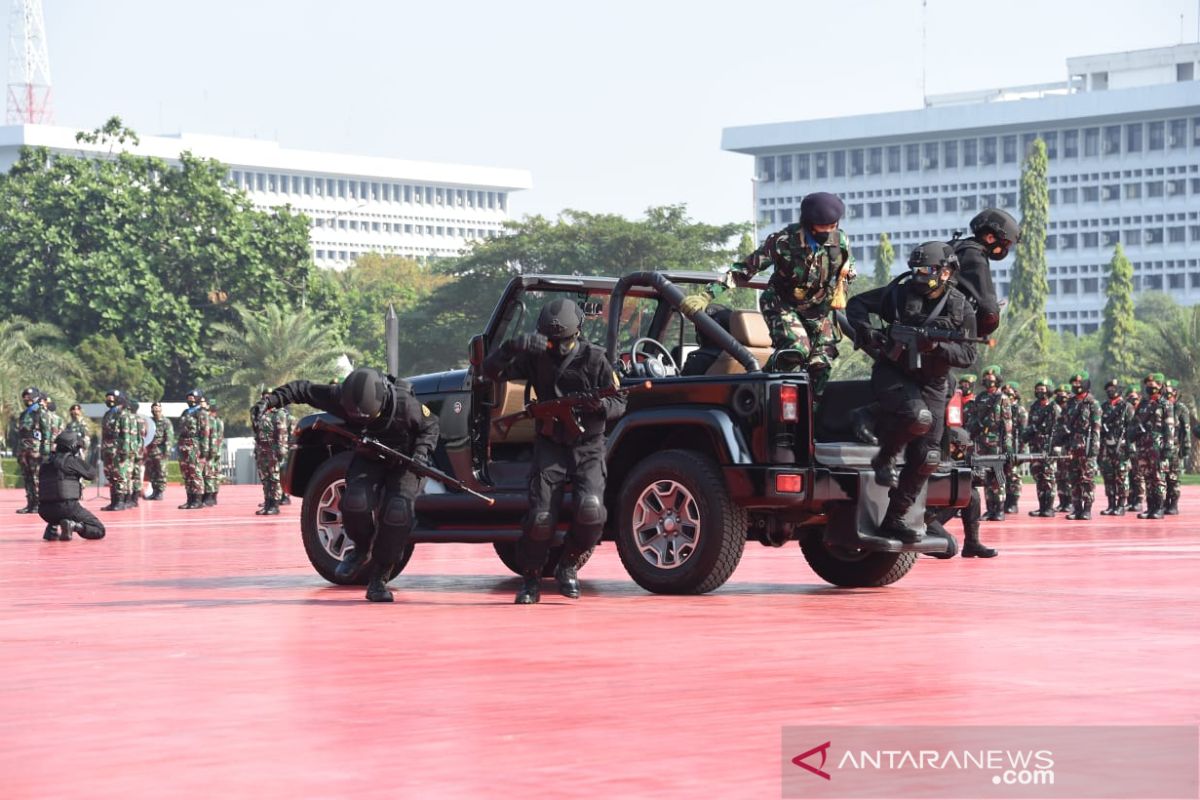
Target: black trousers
column 553, row 463
column 970, row 517
column 56, row 512
column 902, row 399
column 378, row 505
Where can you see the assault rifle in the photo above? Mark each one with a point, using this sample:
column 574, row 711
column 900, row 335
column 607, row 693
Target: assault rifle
column 908, row 339
column 996, row 463
column 565, row 410
column 408, row 462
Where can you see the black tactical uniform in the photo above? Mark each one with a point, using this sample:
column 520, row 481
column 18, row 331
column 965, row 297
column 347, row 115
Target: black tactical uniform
column 974, row 278
column 385, row 408
column 699, row 361
column 60, row 489
column 913, row 401
column 556, row 363
column 936, row 519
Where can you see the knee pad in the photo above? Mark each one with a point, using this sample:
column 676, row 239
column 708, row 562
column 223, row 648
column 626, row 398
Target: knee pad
column 590, row 511
column 355, row 500
column 921, row 422
column 541, row 526
column 930, row 463
column 398, row 512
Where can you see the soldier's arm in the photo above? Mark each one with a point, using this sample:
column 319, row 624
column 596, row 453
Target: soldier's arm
column 1169, row 428
column 765, row 257
column 79, row 468
column 962, row 354
column 504, row 364
column 603, row 377
column 46, row 444
column 1093, row 448
column 427, row 431
column 325, row 396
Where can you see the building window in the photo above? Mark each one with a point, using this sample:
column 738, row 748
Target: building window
column 766, row 169
column 930, row 205
column 1176, row 234
column 1068, row 241
column 931, row 155
column 1091, row 239
column 1133, row 138
column 950, row 153
column 1070, row 144
column 988, row 157
column 968, row 202
column 785, row 215
column 821, row 166
column 949, row 205
column 912, row 157
column 1185, row 71
column 893, row 155
column 855, row 210
column 1051, row 140
column 1099, row 81
column 1152, row 236
column 1070, row 286
column 1157, row 135
column 785, row 168
column 1009, row 199
column 1176, row 187
column 1070, row 195
column 1091, row 194
column 839, row 163
column 802, row 167
column 1133, row 191
column 1091, row 141
column 912, row 207
column 875, row 161
column 857, row 163
column 1154, row 189
column 874, row 209
column 1027, row 140
column 893, row 208
column 970, row 152
column 1112, row 140
column 1177, row 139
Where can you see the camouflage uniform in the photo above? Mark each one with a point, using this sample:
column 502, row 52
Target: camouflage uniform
column 1039, row 434
column 1152, row 440
column 52, row 415
column 798, row 300
column 1012, row 472
column 212, row 455
column 1116, row 415
column 1062, row 483
column 138, row 424
column 1080, row 437
column 193, row 444
column 991, row 426
column 118, row 434
column 1137, row 484
column 1183, row 449
column 33, row 444
column 158, row 453
column 271, row 432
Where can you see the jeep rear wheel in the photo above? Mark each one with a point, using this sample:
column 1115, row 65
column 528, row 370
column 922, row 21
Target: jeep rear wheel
column 321, row 529
column 678, row 531
column 854, row 568
column 508, row 555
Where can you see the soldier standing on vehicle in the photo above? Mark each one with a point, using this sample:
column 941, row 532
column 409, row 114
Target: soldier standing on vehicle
column 212, row 453
column 1012, row 472
column 912, row 397
column 271, row 432
column 377, row 504
column 556, row 362
column 960, row 450
column 116, row 439
column 1137, row 485
column 812, row 267
column 60, row 488
column 992, row 431
column 1152, row 440
column 1039, row 435
column 1183, row 448
column 1114, row 450
column 1080, row 435
column 993, row 233
column 1062, row 398
column 193, row 444
column 33, row 441
column 158, row 452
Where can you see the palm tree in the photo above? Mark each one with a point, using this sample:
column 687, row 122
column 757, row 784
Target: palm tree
column 1173, row 348
column 34, row 354
column 270, row 348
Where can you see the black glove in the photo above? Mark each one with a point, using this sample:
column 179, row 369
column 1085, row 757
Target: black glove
column 926, row 345
column 592, row 405
column 870, row 339
column 527, row 343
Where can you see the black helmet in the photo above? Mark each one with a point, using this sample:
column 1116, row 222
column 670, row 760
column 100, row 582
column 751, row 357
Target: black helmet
column 927, row 261
column 195, row 395
column 31, row 391
column 560, row 319
column 364, row 394
column 68, row 442
column 1000, row 224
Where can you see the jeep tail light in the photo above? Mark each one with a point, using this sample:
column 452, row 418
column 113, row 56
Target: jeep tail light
column 789, row 403
column 789, row 483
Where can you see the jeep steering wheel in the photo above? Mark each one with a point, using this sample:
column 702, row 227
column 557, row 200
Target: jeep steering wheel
column 670, row 367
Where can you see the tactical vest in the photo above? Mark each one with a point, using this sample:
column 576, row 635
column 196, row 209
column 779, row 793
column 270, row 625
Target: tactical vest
column 56, row 486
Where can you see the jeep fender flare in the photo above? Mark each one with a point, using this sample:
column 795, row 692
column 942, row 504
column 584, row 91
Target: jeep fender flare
column 728, row 444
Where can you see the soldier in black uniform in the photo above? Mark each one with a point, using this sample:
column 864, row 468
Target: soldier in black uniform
column 60, row 489
column 913, row 401
column 936, row 519
column 557, row 362
column 385, row 408
column 993, row 233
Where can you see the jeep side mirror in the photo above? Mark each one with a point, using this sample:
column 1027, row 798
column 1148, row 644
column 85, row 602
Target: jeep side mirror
column 475, row 353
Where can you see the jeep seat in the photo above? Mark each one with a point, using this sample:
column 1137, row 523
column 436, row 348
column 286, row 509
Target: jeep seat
column 510, row 399
column 749, row 328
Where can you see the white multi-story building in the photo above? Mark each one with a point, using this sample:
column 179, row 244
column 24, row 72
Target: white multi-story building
column 1123, row 138
column 357, row 204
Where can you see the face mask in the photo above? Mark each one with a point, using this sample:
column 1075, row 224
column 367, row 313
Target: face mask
column 997, row 251
column 1040, row 394
column 191, row 402
column 820, row 237
column 1112, row 393
column 1077, row 388
column 110, row 403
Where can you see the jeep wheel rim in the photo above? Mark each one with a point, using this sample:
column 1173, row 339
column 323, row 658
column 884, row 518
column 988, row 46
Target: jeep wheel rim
column 330, row 530
column 666, row 524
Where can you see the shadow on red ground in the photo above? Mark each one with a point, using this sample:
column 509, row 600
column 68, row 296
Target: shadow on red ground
column 196, row 654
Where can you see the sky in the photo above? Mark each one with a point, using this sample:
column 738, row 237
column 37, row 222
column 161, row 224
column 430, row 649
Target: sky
column 614, row 106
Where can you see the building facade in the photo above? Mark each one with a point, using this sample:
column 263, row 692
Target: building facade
column 356, row 204
column 1123, row 140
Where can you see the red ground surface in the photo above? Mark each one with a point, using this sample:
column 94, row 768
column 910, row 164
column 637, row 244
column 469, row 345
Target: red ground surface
column 196, row 654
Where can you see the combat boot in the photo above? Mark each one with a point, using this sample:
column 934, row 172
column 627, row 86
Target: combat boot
column 1152, row 509
column 30, row 509
column 1011, row 505
column 123, row 502
column 377, row 590
column 994, row 514
column 973, row 548
column 1118, row 510
column 268, row 509
column 894, row 527
column 50, row 534
column 1134, row 505
column 214, row 496
column 863, row 426
column 132, row 500
column 113, row 500
column 886, row 473
column 192, row 502
column 567, row 575
column 1172, row 507
column 349, row 567
column 1082, row 511
column 286, row 501
column 156, row 495
column 66, row 528
column 531, row 589
column 207, row 500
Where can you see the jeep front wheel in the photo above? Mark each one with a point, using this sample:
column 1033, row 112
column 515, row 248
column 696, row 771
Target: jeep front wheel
column 321, row 528
column 678, row 531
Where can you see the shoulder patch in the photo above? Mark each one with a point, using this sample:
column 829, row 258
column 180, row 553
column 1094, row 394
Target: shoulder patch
column 425, row 410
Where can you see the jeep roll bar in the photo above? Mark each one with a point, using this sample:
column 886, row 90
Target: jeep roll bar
column 674, row 296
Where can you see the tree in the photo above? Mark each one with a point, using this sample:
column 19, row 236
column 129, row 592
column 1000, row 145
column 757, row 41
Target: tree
column 132, row 247
column 884, row 258
column 270, row 347
column 34, row 354
column 106, row 366
column 1029, row 283
column 367, row 289
column 1173, row 348
column 1118, row 329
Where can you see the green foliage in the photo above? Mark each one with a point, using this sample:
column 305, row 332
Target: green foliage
column 1029, row 283
column 884, row 259
column 367, row 289
column 35, row 354
column 1171, row 345
column 150, row 253
column 1118, row 329
column 108, row 367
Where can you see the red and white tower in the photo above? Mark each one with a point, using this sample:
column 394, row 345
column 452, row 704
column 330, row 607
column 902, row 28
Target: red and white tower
column 28, row 65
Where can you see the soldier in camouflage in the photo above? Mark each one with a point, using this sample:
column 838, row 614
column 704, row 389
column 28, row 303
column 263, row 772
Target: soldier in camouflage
column 158, row 453
column 1116, row 415
column 55, row 419
column 78, row 424
column 1012, row 472
column 1152, row 442
column 133, row 492
column 1183, row 448
column 117, row 436
column 1137, row 484
column 991, row 429
column 271, row 432
column 1062, row 483
column 193, row 444
column 212, row 454
column 1039, row 434
column 1079, row 436
column 33, row 444
column 812, row 266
